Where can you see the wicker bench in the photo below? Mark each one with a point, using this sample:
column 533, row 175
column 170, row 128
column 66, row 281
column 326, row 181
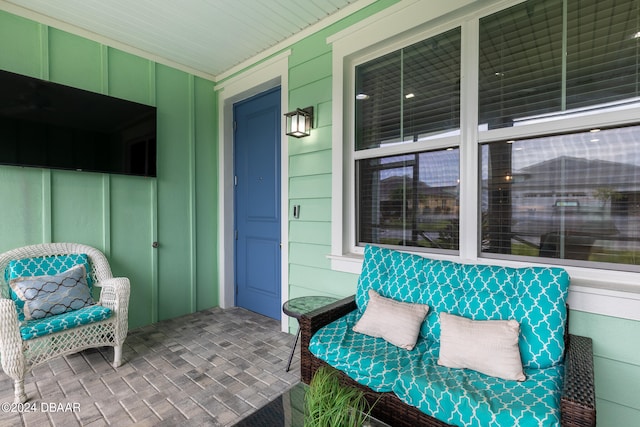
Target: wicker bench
column 578, row 396
column 352, row 353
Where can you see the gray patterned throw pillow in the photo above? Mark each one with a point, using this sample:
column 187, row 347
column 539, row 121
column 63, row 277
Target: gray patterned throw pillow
column 46, row 296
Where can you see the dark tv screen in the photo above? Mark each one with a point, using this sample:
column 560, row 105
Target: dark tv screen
column 49, row 125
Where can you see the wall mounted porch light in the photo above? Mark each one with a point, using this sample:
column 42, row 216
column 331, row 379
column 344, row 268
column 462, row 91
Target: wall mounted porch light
column 299, row 122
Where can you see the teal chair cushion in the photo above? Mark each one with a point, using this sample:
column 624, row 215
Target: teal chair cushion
column 49, row 325
column 469, row 398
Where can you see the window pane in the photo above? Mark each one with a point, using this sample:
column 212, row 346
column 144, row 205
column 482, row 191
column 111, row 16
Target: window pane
column 409, row 94
column 525, row 72
column 602, row 57
column 431, row 86
column 378, row 101
column 574, row 196
column 409, row 200
column 520, row 69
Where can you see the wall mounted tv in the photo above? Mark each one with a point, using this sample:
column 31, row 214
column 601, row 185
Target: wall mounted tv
column 49, row 125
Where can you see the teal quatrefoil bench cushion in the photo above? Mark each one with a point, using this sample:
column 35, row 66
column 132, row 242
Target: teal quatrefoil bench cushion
column 456, row 396
column 534, row 296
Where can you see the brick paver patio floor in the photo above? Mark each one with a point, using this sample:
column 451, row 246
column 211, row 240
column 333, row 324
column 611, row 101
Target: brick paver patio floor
column 209, row 368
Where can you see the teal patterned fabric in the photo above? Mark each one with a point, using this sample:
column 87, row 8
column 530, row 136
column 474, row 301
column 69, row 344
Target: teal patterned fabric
column 49, row 325
column 534, row 296
column 46, row 266
column 371, row 361
column 464, row 397
column 460, row 397
column 43, row 266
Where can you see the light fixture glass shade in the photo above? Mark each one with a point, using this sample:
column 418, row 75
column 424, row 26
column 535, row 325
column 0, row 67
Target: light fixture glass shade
column 299, row 122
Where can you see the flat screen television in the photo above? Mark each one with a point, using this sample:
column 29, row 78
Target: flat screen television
column 49, row 125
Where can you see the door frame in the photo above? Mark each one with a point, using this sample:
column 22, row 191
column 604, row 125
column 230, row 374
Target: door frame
column 267, row 75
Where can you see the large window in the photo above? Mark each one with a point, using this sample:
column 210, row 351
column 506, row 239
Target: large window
column 572, row 195
column 541, row 104
column 408, row 191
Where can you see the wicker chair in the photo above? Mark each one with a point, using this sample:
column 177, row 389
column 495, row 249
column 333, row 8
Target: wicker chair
column 19, row 356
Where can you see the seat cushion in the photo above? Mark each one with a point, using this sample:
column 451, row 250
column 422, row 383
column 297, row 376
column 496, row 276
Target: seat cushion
column 455, row 396
column 371, row 361
column 468, row 398
column 49, row 325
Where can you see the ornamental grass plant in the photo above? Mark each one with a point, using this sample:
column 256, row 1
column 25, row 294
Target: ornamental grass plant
column 327, row 403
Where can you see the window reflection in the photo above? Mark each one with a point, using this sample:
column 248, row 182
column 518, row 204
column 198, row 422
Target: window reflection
column 410, row 200
column 549, row 56
column 574, row 197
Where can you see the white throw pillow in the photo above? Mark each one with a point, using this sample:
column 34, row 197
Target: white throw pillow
column 487, row 346
column 395, row 321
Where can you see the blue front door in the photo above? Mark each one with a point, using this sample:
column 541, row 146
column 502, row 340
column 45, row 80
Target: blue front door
column 257, row 203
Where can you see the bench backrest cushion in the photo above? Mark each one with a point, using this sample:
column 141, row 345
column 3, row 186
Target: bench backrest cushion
column 534, row 296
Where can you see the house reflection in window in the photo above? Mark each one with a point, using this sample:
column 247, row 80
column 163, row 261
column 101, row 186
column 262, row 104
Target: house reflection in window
column 567, row 196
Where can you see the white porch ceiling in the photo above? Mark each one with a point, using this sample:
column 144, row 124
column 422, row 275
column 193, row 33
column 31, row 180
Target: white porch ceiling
column 207, row 37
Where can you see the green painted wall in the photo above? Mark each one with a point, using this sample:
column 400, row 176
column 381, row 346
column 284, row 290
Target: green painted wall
column 616, row 343
column 616, row 348
column 310, row 83
column 123, row 215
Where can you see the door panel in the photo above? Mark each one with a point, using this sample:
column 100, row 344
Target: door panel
column 257, row 203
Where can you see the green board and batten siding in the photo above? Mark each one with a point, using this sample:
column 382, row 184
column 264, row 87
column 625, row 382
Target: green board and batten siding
column 123, row 215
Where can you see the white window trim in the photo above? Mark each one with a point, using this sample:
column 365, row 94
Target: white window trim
column 599, row 291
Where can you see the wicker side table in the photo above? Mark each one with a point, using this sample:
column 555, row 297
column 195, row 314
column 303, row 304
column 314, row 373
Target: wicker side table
column 296, row 307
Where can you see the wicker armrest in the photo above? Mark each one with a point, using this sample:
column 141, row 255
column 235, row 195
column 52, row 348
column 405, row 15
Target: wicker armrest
column 322, row 316
column 578, row 402
column 114, row 293
column 314, row 320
